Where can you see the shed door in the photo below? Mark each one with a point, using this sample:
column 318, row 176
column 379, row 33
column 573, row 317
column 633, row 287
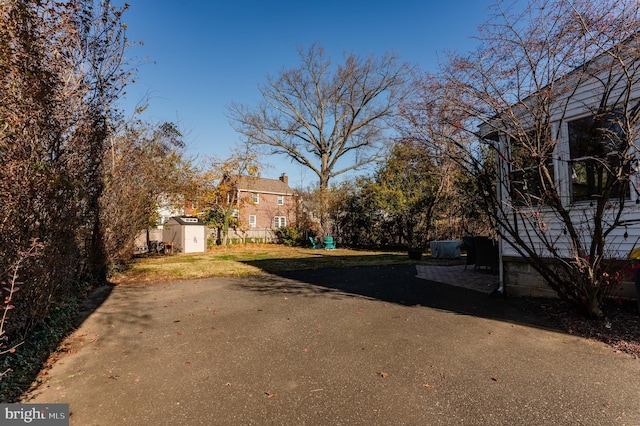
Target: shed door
column 194, row 239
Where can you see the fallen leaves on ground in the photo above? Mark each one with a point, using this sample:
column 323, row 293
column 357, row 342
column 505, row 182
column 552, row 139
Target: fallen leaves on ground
column 619, row 327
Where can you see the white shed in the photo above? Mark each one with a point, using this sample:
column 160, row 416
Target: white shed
column 187, row 234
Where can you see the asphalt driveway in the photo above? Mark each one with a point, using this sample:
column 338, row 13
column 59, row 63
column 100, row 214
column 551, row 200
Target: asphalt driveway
column 369, row 346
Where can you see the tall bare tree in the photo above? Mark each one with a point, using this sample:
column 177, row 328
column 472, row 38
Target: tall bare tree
column 563, row 180
column 328, row 118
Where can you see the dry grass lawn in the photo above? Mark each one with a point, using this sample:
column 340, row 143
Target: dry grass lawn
column 251, row 259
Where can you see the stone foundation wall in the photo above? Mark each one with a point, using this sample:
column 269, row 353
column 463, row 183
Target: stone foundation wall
column 521, row 279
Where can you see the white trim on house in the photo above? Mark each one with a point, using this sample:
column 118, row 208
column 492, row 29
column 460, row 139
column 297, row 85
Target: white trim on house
column 620, row 246
column 279, row 221
column 572, row 105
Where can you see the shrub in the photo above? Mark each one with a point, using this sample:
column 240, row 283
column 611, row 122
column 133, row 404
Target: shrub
column 21, row 367
column 289, row 236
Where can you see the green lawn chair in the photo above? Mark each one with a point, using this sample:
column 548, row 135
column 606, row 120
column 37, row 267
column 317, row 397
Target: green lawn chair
column 313, row 243
column 329, row 244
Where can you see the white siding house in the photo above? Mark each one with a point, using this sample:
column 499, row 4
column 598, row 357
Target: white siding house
column 577, row 97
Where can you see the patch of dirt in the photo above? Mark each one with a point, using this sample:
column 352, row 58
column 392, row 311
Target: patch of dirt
column 619, row 327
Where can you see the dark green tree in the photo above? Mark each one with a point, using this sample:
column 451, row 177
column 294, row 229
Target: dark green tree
column 407, row 189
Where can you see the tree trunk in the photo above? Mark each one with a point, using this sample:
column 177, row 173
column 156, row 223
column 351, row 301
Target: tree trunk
column 324, row 180
column 225, row 232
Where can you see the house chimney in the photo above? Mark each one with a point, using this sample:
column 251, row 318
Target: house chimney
column 284, row 178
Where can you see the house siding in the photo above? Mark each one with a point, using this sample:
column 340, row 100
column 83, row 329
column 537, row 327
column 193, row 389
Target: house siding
column 518, row 276
column 619, row 246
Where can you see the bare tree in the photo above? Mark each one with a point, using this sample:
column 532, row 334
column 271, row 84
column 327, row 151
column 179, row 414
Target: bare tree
column 553, row 90
column 319, row 114
column 145, row 169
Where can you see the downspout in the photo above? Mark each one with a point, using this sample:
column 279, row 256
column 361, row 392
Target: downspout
column 501, row 289
column 500, row 188
column 499, row 144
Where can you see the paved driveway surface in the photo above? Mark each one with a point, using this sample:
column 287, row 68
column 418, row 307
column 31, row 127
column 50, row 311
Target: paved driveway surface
column 364, row 346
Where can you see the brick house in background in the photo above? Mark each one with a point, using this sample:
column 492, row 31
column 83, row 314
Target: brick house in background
column 263, row 205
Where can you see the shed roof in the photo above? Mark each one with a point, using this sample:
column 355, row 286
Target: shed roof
column 187, row 220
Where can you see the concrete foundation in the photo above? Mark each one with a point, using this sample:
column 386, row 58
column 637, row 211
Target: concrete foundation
column 521, row 279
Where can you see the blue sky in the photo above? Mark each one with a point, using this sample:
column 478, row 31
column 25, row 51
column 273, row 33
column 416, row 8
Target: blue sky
column 199, row 56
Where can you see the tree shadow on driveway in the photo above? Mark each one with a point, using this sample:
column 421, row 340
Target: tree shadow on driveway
column 396, row 284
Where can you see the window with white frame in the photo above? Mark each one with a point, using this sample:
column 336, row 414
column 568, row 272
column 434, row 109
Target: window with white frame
column 252, row 221
column 279, row 221
column 531, row 179
column 595, row 144
column 281, row 200
column 255, row 198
